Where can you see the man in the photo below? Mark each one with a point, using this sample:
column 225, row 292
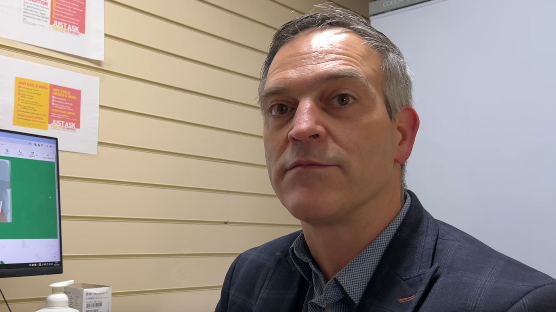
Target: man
column 338, row 128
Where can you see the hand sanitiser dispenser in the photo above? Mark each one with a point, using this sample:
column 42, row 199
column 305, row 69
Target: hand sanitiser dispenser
column 58, row 301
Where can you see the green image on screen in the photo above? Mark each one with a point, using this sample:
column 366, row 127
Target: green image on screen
column 27, row 199
column 5, row 191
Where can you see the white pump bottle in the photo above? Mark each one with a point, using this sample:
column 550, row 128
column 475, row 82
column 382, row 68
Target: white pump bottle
column 58, row 301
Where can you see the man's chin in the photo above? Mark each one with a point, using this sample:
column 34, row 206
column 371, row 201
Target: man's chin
column 310, row 210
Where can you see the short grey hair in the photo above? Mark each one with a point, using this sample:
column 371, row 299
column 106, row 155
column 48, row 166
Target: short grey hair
column 397, row 77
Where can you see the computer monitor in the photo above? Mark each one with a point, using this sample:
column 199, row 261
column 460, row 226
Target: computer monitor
column 30, row 227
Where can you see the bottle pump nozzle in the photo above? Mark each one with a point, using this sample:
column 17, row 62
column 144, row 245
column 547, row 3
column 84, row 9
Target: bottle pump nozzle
column 58, row 299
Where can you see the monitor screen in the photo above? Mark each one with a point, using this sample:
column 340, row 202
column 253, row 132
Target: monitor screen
column 30, row 231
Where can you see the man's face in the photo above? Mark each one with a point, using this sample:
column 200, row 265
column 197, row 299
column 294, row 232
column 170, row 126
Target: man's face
column 329, row 142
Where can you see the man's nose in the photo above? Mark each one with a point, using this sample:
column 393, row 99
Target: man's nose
column 307, row 123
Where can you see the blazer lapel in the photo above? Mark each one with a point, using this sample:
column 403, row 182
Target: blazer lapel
column 284, row 289
column 406, row 272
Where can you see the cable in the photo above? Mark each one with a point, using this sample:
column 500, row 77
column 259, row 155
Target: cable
column 6, row 301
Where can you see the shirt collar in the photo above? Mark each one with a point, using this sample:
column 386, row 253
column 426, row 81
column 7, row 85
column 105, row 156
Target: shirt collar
column 356, row 275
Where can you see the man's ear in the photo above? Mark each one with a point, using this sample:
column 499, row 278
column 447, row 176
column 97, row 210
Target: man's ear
column 407, row 125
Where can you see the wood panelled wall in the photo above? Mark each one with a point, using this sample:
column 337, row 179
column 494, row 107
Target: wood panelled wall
column 179, row 186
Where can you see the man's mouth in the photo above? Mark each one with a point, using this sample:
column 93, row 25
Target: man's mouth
column 308, row 164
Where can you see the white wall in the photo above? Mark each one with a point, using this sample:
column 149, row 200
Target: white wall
column 483, row 161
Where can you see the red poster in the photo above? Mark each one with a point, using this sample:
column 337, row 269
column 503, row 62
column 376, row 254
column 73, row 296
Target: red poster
column 68, row 16
column 65, row 108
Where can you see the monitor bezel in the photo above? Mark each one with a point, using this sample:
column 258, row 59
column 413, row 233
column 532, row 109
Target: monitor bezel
column 36, row 271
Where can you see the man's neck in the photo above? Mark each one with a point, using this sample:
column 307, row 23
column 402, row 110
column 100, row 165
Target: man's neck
column 335, row 245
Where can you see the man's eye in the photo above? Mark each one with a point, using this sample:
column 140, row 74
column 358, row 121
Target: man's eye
column 342, row 99
column 279, row 109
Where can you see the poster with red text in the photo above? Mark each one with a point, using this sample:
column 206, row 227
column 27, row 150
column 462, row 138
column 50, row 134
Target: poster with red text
column 44, row 100
column 68, row 16
column 70, row 26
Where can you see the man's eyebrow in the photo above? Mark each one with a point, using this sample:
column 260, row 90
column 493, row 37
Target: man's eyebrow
column 343, row 74
column 350, row 74
column 268, row 92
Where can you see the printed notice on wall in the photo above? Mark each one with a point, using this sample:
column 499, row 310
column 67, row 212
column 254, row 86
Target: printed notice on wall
column 70, row 26
column 49, row 101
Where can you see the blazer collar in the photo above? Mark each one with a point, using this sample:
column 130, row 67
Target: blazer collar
column 406, row 271
column 284, row 284
column 400, row 282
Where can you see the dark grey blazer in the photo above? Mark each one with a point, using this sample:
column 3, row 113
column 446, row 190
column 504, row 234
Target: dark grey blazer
column 428, row 266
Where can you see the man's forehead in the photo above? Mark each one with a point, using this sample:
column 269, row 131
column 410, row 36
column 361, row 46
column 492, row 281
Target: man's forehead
column 345, row 52
column 316, row 39
column 319, row 42
column 319, row 38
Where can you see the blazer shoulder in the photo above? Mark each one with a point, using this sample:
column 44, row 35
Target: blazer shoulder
column 479, row 276
column 258, row 261
column 269, row 251
column 540, row 299
column 249, row 273
column 466, row 254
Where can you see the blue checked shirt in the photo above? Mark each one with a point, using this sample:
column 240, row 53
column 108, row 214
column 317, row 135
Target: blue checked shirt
column 344, row 291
